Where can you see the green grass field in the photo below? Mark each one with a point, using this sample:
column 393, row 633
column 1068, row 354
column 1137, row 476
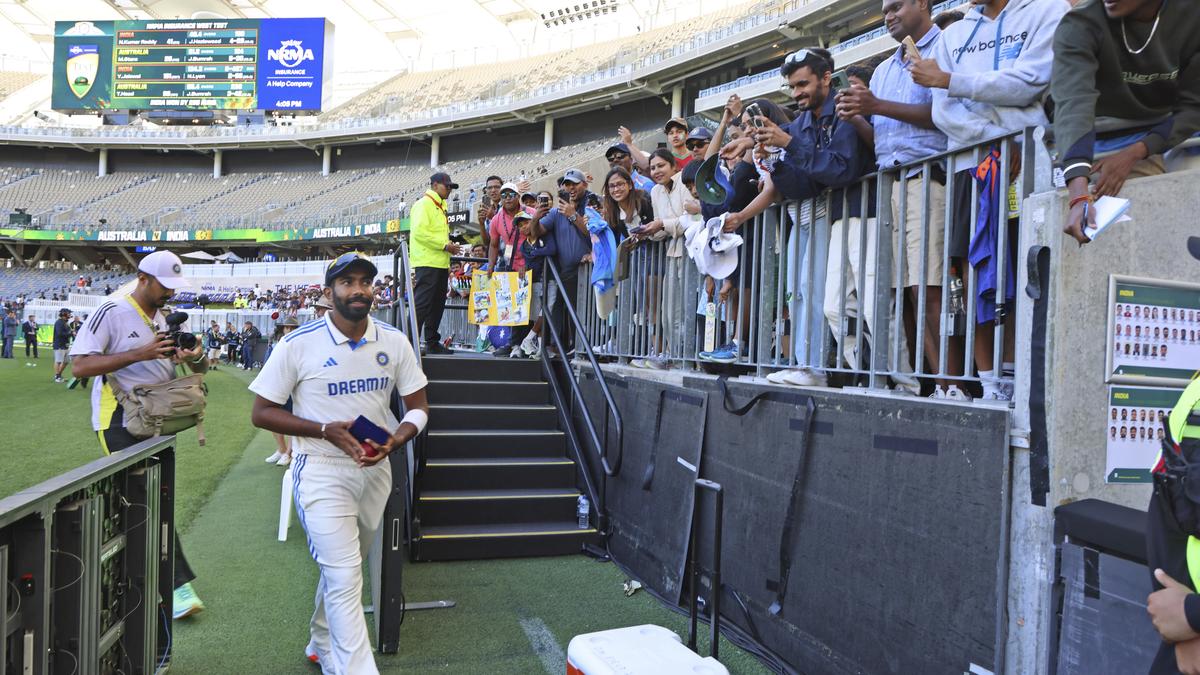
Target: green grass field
column 512, row 616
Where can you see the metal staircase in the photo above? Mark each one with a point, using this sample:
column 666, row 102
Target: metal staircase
column 496, row 479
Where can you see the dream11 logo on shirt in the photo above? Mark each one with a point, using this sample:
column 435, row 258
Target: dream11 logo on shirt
column 291, row 53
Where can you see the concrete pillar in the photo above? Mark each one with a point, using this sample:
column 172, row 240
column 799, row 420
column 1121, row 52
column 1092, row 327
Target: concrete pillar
column 326, row 160
column 102, row 169
column 677, row 101
column 218, row 157
column 548, row 140
column 435, row 145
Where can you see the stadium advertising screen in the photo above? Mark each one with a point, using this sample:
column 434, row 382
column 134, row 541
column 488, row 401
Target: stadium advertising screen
column 225, row 64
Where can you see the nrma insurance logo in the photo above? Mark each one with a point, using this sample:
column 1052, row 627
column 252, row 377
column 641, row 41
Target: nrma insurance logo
column 291, row 53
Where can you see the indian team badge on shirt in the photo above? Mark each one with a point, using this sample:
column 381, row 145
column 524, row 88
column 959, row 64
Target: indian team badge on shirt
column 381, row 358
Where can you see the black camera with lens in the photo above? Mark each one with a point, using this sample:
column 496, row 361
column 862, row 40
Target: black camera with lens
column 182, row 339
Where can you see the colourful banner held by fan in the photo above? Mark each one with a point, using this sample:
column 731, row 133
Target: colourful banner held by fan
column 502, row 299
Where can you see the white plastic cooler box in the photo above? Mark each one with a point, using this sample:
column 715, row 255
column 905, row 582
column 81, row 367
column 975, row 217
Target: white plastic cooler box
column 637, row 650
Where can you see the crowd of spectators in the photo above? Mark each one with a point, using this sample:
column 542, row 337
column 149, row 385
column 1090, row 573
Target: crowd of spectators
column 927, row 118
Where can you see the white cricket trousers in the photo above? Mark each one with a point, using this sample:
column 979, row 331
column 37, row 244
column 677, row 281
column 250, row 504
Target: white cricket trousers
column 341, row 507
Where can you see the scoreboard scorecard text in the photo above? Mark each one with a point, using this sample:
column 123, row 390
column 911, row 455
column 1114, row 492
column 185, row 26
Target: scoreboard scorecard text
column 226, row 64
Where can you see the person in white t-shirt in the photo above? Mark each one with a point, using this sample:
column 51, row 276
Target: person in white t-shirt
column 123, row 344
column 335, row 369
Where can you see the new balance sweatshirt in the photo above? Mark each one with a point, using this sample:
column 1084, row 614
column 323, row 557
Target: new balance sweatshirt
column 999, row 71
column 1099, row 86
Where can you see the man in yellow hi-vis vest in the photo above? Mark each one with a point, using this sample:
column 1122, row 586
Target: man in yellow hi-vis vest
column 1172, row 547
column 429, row 238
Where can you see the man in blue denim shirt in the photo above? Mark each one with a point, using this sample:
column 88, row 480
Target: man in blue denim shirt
column 567, row 224
column 901, row 114
column 821, row 151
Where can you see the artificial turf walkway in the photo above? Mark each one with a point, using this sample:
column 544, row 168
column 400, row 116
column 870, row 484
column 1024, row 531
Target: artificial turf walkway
column 513, row 616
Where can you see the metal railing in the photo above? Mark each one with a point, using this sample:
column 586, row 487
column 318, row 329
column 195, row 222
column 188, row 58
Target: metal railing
column 576, row 401
column 825, row 295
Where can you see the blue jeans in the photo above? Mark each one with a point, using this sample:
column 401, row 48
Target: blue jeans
column 247, row 354
column 807, row 256
column 8, row 347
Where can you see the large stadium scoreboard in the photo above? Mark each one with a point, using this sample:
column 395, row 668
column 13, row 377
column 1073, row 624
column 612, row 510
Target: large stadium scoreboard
column 228, row 64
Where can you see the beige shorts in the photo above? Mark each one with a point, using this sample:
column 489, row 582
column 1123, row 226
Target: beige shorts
column 935, row 241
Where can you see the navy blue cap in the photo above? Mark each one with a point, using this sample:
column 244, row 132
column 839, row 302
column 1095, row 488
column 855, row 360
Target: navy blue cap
column 443, row 178
column 345, row 262
column 700, row 134
column 619, row 147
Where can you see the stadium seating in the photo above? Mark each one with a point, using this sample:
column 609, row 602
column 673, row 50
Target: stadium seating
column 30, row 282
column 188, row 200
column 11, row 81
column 424, row 94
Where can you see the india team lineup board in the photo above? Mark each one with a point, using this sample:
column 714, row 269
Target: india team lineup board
column 229, row 64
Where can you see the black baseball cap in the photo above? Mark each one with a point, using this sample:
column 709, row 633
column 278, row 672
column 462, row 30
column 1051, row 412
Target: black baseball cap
column 64, row 312
column 347, row 261
column 443, row 178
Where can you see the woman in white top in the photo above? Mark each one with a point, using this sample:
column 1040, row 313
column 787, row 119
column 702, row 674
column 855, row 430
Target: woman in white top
column 673, row 207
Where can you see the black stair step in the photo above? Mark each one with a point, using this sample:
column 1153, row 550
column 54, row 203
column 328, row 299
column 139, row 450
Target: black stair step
column 471, row 391
column 483, row 443
column 469, row 366
column 495, row 473
column 491, row 507
column 492, row 416
column 515, row 540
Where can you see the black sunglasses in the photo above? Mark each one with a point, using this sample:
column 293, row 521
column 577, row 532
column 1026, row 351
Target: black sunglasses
column 508, row 194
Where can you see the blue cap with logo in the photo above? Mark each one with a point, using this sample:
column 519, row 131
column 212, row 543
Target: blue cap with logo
column 347, row 261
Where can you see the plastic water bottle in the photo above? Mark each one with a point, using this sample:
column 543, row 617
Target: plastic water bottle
column 582, row 511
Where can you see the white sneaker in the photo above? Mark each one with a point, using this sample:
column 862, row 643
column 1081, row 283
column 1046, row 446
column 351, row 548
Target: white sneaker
column 660, row 362
column 530, row 344
column 638, row 363
column 953, row 393
column 516, row 352
column 938, row 392
column 274, row 458
column 804, row 377
column 777, row 376
column 993, row 390
column 906, row 384
column 284, row 460
column 1008, row 387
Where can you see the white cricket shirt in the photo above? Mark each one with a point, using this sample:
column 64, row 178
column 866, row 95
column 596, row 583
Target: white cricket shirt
column 331, row 379
column 120, row 326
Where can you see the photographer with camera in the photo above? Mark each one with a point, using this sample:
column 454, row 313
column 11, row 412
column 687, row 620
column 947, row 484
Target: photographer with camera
column 133, row 350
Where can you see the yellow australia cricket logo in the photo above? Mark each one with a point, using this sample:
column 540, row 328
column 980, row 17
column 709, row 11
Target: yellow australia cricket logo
column 83, row 63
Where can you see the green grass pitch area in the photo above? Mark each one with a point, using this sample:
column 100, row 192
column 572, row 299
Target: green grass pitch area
column 513, row 616
column 48, row 430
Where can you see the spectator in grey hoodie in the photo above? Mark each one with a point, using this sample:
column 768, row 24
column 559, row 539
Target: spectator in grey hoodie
column 989, row 75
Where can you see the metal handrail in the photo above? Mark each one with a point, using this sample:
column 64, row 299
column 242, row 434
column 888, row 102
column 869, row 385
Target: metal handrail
column 611, row 409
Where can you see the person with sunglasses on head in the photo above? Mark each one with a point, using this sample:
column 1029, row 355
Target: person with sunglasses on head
column 820, row 151
column 1127, row 83
column 429, row 237
column 989, row 74
column 340, row 373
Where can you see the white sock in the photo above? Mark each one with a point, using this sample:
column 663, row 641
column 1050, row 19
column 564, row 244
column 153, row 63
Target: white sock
column 989, row 381
column 1010, row 370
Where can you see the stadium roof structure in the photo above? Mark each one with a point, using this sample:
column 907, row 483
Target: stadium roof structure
column 372, row 36
column 754, row 41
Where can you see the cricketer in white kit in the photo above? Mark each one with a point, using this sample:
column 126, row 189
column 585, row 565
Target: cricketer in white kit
column 334, row 369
